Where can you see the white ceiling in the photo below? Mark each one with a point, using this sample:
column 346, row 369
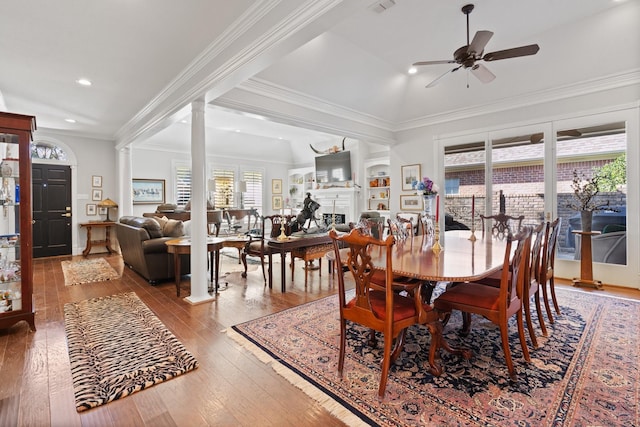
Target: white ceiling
column 149, row 58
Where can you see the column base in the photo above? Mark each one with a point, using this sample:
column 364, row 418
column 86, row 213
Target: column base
column 596, row 284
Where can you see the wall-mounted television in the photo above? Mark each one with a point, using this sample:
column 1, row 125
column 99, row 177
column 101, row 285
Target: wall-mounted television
column 334, row 167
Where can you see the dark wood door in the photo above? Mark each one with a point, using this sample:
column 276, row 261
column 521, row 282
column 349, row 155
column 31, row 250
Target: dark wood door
column 51, row 210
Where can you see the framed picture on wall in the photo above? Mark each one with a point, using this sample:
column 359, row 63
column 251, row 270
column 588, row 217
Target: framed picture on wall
column 148, row 191
column 96, row 181
column 410, row 202
column 96, row 195
column 91, row 209
column 276, row 202
column 410, row 173
column 276, row 186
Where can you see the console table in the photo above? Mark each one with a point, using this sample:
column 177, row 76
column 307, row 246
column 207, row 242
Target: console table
column 107, row 239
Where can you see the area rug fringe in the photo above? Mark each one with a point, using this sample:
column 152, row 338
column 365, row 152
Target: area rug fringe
column 326, row 401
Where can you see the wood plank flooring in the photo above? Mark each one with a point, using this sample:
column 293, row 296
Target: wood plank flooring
column 231, row 387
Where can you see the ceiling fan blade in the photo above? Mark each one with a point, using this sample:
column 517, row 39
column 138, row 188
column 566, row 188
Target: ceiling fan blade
column 569, row 132
column 444, row 61
column 482, row 73
column 531, row 49
column 536, row 137
column 436, row 81
column 479, row 41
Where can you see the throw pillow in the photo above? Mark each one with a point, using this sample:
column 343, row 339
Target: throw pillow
column 162, row 221
column 187, row 227
column 173, row 228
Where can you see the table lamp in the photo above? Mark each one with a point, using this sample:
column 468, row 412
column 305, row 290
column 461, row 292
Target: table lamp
column 108, row 204
column 242, row 188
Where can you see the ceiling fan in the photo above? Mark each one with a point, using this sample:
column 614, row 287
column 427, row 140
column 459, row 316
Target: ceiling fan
column 467, row 55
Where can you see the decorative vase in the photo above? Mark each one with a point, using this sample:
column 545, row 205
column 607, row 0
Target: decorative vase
column 586, row 218
column 428, row 217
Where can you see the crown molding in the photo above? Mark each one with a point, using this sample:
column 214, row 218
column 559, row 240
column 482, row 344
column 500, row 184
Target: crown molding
column 599, row 84
column 207, row 72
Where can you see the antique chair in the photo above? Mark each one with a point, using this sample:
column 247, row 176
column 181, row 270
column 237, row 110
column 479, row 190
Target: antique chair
column 502, row 224
column 547, row 266
column 376, row 306
column 533, row 288
column 497, row 304
column 257, row 244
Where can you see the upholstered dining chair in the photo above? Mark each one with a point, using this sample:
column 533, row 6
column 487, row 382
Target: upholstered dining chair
column 531, row 288
column 547, row 267
column 257, row 244
column 378, row 306
column 497, row 305
column 502, row 224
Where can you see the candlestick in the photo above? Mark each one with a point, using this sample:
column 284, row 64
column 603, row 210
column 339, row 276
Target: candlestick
column 283, row 235
column 473, row 219
column 436, row 248
column 333, row 217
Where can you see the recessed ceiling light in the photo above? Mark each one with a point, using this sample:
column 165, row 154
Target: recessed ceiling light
column 412, row 70
column 84, row 82
column 69, row 120
column 237, row 130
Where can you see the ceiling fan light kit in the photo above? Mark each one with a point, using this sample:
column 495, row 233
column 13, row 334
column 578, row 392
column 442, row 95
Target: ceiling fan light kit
column 467, row 55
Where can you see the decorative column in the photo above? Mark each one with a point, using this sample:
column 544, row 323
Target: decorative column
column 199, row 279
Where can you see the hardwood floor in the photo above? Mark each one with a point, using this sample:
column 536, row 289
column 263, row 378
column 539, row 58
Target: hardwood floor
column 231, row 387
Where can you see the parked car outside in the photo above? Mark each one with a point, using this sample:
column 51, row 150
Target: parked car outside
column 616, row 215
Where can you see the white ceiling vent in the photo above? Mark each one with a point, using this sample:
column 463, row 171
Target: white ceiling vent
column 381, row 6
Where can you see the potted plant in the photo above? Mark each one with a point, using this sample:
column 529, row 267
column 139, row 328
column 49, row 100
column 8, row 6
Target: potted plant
column 585, row 201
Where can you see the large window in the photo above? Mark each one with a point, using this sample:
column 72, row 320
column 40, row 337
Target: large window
column 252, row 197
column 224, row 188
column 182, row 184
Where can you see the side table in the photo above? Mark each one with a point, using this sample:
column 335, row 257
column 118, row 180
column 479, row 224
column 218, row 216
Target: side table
column 586, row 262
column 107, row 239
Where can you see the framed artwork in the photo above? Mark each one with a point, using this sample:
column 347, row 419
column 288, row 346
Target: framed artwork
column 411, row 202
column 276, row 186
column 276, row 202
column 96, row 195
column 410, row 173
column 148, row 191
column 102, row 210
column 96, row 181
column 91, row 209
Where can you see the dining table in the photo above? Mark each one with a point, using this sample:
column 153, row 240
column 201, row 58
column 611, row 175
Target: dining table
column 461, row 259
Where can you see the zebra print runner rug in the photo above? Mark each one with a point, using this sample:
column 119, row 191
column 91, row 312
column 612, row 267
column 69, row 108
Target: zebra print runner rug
column 117, row 346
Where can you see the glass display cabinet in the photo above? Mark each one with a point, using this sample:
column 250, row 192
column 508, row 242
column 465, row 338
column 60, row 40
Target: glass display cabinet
column 16, row 265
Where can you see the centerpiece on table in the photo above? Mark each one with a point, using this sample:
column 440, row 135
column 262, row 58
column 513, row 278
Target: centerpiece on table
column 429, row 191
column 585, row 201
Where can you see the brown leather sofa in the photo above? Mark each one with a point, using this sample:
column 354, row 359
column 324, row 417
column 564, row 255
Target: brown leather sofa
column 143, row 248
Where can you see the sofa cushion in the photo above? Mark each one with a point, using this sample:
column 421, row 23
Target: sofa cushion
column 151, row 225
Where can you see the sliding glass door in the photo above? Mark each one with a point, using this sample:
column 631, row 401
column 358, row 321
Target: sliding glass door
column 533, row 171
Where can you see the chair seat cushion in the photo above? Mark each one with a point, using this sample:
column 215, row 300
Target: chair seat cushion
column 468, row 294
column 403, row 307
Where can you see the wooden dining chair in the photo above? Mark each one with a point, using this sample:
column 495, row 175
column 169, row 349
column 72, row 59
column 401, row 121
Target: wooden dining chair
column 531, row 288
column 547, row 267
column 501, row 224
column 257, row 245
column 378, row 306
column 497, row 304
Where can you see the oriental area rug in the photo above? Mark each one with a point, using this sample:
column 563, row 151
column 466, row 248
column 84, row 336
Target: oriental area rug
column 117, row 346
column 87, row 271
column 585, row 372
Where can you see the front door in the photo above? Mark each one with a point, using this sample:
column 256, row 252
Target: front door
column 51, row 210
